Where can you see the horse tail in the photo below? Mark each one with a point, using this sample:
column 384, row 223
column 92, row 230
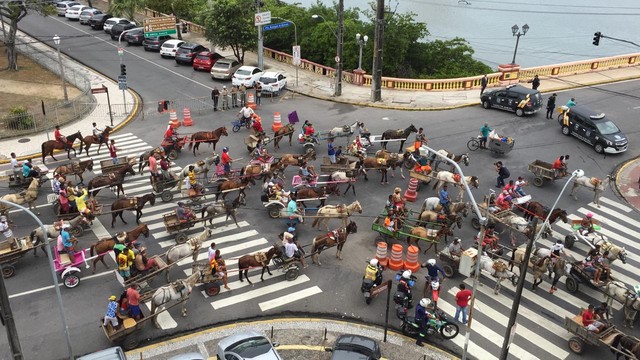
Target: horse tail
column 316, row 221
column 93, row 247
column 204, row 209
column 43, row 148
column 242, row 171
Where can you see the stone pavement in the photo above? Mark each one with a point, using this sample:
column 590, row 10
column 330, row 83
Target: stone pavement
column 298, row 338
column 627, row 180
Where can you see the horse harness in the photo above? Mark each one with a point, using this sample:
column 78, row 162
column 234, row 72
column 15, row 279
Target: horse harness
column 335, row 235
column 261, row 258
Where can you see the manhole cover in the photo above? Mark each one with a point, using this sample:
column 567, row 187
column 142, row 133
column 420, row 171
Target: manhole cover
column 24, row 140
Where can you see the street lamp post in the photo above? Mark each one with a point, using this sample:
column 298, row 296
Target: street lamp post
column 337, row 91
column 56, row 40
column 523, row 270
column 362, row 42
column 515, row 30
column 295, row 40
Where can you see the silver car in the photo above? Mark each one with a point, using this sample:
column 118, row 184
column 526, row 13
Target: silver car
column 86, row 14
column 248, row 345
column 224, row 69
column 62, row 7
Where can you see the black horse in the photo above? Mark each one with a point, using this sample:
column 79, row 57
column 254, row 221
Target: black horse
column 398, row 134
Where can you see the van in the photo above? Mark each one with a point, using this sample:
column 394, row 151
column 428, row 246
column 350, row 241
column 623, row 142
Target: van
column 513, row 98
column 594, row 129
column 224, row 69
column 114, row 353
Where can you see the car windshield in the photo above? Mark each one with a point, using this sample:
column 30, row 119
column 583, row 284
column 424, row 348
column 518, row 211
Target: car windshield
column 607, row 127
column 202, row 57
column 251, row 348
column 243, row 72
column 221, row 65
column 168, row 46
column 266, row 80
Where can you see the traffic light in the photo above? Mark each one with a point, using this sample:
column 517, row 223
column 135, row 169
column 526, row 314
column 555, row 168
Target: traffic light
column 123, row 69
column 596, row 38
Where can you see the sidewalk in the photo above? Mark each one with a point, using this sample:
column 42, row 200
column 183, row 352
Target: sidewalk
column 299, row 339
column 627, row 180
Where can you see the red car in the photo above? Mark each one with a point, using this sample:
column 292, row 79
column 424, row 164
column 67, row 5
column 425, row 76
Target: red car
column 205, row 60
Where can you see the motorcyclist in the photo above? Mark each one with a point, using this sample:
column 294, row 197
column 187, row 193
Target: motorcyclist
column 433, row 272
column 373, row 272
column 404, row 287
column 422, row 316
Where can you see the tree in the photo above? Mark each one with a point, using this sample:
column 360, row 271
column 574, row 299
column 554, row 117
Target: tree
column 229, row 23
column 13, row 12
column 126, row 8
column 451, row 59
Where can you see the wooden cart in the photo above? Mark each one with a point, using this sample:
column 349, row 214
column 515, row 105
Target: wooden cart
column 542, row 171
column 174, row 226
column 583, row 337
column 107, row 166
column 10, row 251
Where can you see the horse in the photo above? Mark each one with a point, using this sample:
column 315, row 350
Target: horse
column 420, row 232
column 202, row 166
column 541, row 263
column 143, row 159
column 27, row 196
column 594, row 184
column 433, row 204
column 114, row 179
column 37, row 237
column 629, row 346
column 434, row 217
column 259, row 259
column 520, row 224
column 339, row 177
column 209, row 137
column 611, row 251
column 189, row 247
column 497, row 269
column 393, row 159
column 136, row 204
column 537, row 209
column 102, row 246
column 224, row 207
column 380, row 164
column 617, row 290
column 256, row 171
column 444, row 177
column 333, row 238
column 287, row 130
column 178, row 290
column 397, row 134
column 292, row 160
column 307, row 192
column 344, row 130
column 225, row 185
column 461, row 158
column 89, row 140
column 49, row 146
column 75, row 168
column 329, row 212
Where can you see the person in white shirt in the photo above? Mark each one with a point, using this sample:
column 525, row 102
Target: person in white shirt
column 291, row 250
column 212, row 251
column 97, row 133
column 556, row 249
column 15, row 166
column 520, row 183
column 5, row 228
column 246, row 112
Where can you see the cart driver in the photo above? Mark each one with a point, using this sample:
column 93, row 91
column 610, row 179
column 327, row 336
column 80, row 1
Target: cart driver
column 291, row 250
column 309, row 131
column 590, row 320
column 306, row 173
column 183, row 213
column 422, row 165
column 455, row 249
column 556, row 250
column 490, row 237
column 398, row 202
column 262, row 155
column 586, row 225
column 292, row 209
column 5, row 228
column 390, row 221
column 28, row 170
column 503, row 201
column 560, row 167
column 142, row 264
column 257, row 125
column 219, row 268
column 193, row 183
column 171, row 134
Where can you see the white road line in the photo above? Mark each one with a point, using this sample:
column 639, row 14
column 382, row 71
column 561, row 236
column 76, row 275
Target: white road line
column 289, row 298
column 33, row 291
column 227, row 250
column 614, row 203
column 167, row 243
column 164, row 319
column 262, row 290
column 617, row 215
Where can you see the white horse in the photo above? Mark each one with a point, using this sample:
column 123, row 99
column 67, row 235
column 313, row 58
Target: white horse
column 618, row 290
column 521, row 225
column 462, row 158
column 37, row 237
column 444, row 177
column 190, row 247
column 594, row 184
column 178, row 290
column 430, row 203
column 329, row 212
column 27, row 196
column 497, row 269
column 344, row 130
column 202, row 166
column 611, row 251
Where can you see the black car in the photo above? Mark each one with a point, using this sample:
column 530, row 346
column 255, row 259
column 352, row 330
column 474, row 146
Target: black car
column 97, row 21
column 187, row 51
column 355, row 347
column 516, row 98
column 153, row 43
column 595, row 129
column 135, row 36
column 120, row 27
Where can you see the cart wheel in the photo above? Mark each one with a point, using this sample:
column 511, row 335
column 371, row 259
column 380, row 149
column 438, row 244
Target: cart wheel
column 309, row 149
column 409, row 164
column 569, row 241
column 538, row 181
column 576, row 345
column 475, row 223
column 571, row 284
column 448, row 270
column 172, row 155
column 8, row 271
column 213, row 290
column 274, row 211
column 130, row 342
column 71, row 280
column 181, row 238
column 196, row 207
column 473, row 144
column 236, row 128
column 77, row 231
column 166, row 196
column 292, row 274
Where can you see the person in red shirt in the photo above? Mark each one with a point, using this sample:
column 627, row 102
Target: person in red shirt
column 503, row 201
column 309, row 130
column 226, row 160
column 590, row 320
column 560, row 166
column 57, row 135
column 153, row 167
column 257, row 125
column 112, row 152
column 462, row 301
column 133, row 300
column 169, row 133
column 510, row 188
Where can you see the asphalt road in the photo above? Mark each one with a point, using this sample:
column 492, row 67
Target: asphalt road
column 333, row 287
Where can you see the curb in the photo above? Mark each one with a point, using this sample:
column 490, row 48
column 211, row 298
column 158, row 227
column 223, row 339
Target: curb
column 616, row 176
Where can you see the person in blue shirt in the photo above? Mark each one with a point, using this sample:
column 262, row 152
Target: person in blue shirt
column 110, row 314
column 422, row 318
column 571, row 103
column 485, row 130
column 67, row 241
column 27, row 169
column 445, row 200
column 331, row 152
column 292, row 209
column 433, row 271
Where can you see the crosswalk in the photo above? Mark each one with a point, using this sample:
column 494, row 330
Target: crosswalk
column 233, row 241
column 540, row 332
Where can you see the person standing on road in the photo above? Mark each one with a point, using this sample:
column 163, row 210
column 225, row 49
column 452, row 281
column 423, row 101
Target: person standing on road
column 503, row 173
column 225, row 98
column 551, row 105
column 112, row 152
column 5, row 228
column 226, row 160
column 483, row 82
column 215, row 95
column 243, row 95
column 462, row 301
column 484, row 131
column 258, row 88
column 234, row 96
column 133, row 299
column 535, row 82
column 110, row 315
column 331, row 151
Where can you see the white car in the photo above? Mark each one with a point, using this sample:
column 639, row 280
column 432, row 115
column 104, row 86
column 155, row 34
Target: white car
column 169, row 48
column 247, row 76
column 62, row 6
column 272, row 82
column 73, row 13
column 109, row 24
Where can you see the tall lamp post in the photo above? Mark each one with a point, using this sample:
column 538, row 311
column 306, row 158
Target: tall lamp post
column 295, row 39
column 337, row 89
column 515, row 30
column 362, row 42
column 56, row 40
column 523, row 270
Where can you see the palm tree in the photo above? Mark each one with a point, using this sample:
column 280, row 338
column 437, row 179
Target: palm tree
column 126, row 8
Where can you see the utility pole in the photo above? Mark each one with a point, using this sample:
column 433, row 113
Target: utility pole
column 338, row 87
column 376, row 73
column 9, row 322
column 260, row 46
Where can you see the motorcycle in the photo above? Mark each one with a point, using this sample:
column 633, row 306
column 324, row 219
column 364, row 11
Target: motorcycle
column 368, row 285
column 401, row 299
column 435, row 290
column 439, row 322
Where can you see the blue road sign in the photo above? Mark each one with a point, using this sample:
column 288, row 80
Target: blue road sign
column 276, row 26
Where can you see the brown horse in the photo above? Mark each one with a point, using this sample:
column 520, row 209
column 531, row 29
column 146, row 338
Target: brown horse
column 136, row 203
column 292, row 160
column 259, row 259
column 537, row 209
column 143, row 159
column 256, row 171
column 75, row 168
column 114, row 179
column 49, row 146
column 282, row 132
column 434, row 217
column 432, row 234
column 89, row 140
column 209, row 137
column 397, row 134
column 380, row 164
column 102, row 246
column 333, row 238
column 306, row 192
column 225, row 185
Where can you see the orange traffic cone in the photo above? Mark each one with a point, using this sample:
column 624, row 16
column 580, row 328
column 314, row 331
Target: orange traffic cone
column 277, row 122
column 412, row 190
column 251, row 101
column 187, row 121
column 173, row 119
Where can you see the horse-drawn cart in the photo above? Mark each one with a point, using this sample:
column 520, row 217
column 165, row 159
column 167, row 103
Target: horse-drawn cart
column 542, row 171
column 344, row 163
column 17, row 179
column 107, row 166
column 252, row 141
column 173, row 225
column 10, row 251
column 582, row 337
column 432, row 235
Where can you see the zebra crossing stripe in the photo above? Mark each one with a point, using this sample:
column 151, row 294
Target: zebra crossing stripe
column 263, row 290
column 219, row 240
column 614, row 225
column 617, row 215
column 614, row 204
column 289, row 298
column 164, row 319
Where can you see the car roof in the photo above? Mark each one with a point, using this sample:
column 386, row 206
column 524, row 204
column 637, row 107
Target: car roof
column 187, row 45
column 271, row 74
column 588, row 113
column 172, row 42
column 232, row 339
column 115, row 19
column 112, row 353
column 247, row 67
column 79, row 6
column 521, row 89
column 225, row 61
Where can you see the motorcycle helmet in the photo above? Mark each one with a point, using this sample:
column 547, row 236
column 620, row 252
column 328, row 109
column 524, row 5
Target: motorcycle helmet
column 406, row 274
column 425, row 302
column 225, row 149
column 431, row 262
column 456, row 240
column 373, row 262
column 291, row 230
column 589, row 215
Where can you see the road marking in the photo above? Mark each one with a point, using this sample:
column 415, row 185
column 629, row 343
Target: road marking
column 617, row 215
column 289, row 298
column 164, row 319
column 227, row 251
column 51, row 286
column 263, row 290
column 228, row 238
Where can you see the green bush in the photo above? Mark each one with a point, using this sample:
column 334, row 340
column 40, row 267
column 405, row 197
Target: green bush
column 19, row 119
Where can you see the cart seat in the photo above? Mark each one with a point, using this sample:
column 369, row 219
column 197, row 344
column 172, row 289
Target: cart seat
column 129, row 323
column 297, row 181
column 64, row 259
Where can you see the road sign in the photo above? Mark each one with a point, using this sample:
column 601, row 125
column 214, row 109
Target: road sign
column 120, row 51
column 296, row 55
column 122, row 82
column 159, row 26
column 337, row 58
column 276, row 26
column 100, row 90
column 262, row 18
column 378, row 289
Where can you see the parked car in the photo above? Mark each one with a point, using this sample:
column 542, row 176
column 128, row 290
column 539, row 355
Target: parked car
column 120, row 27
column 97, row 21
column 272, row 82
column 248, row 345
column 62, row 7
column 73, row 13
column 205, row 60
column 188, row 356
column 135, row 36
column 169, row 48
column 154, row 43
column 511, row 99
column 109, row 24
column 247, row 75
column 355, row 347
column 87, row 14
column 595, row 129
column 187, row 51
column 224, row 69
column 114, row 353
